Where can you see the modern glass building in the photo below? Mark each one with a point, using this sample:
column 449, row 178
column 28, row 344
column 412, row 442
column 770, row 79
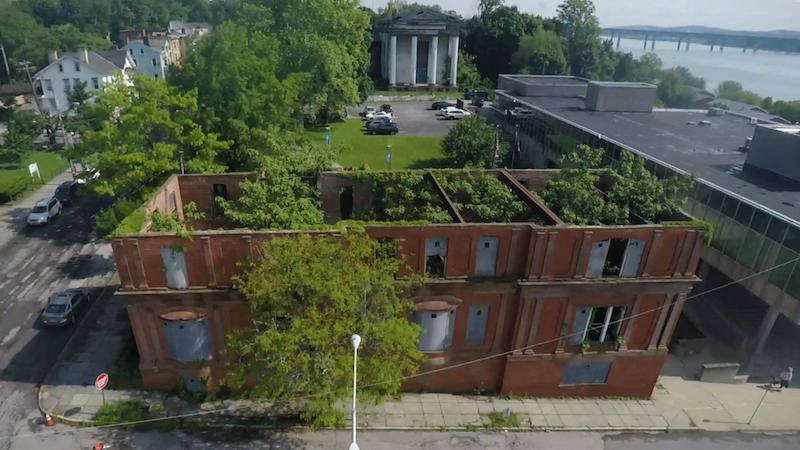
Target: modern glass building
column 753, row 208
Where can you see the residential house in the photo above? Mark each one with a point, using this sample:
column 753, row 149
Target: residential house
column 149, row 61
column 65, row 72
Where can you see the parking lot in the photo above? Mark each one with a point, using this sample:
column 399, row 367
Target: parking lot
column 414, row 118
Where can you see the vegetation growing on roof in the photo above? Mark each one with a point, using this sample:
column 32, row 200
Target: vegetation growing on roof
column 403, row 196
column 634, row 190
column 482, row 198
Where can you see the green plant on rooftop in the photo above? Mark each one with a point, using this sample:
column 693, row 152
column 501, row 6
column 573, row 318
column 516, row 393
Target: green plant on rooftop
column 281, row 200
column 482, row 198
column 636, row 189
column 474, row 142
column 572, row 193
column 307, row 296
column 403, row 196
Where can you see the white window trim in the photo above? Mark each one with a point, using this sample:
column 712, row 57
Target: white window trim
column 606, row 322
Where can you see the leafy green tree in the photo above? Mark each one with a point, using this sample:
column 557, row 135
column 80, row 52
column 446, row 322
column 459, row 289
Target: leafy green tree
column 625, row 68
column 672, row 90
column 281, row 200
column 23, row 129
column 483, row 198
column 307, row 296
column 540, row 53
column 240, row 93
column 733, row 90
column 78, row 95
column 403, row 196
column 648, row 68
column 468, row 75
column 637, row 190
column 148, row 128
column 581, row 29
column 473, row 143
column 788, row 110
column 493, row 36
column 573, row 191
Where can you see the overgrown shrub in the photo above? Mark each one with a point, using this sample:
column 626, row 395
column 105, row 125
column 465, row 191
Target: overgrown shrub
column 483, row 198
column 403, row 197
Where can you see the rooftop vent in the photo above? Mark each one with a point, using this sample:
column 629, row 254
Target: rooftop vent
column 714, row 111
column 704, row 123
column 753, row 121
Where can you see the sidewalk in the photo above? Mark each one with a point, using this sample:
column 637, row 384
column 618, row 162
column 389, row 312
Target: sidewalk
column 12, row 216
column 677, row 404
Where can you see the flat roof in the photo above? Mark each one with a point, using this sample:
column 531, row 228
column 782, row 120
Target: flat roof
column 709, row 152
column 548, row 80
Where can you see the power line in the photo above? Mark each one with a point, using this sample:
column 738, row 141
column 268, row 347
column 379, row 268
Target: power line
column 408, row 377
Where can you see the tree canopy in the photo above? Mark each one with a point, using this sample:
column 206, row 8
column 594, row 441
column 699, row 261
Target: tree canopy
column 473, row 142
column 307, row 296
column 581, row 29
column 540, row 53
column 142, row 133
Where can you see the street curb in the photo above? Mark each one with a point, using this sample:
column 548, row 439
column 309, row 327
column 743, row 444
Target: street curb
column 91, row 314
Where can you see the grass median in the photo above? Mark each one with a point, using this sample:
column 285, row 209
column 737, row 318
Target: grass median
column 16, row 181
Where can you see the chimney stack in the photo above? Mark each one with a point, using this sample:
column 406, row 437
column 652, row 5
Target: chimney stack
column 84, row 55
column 52, row 56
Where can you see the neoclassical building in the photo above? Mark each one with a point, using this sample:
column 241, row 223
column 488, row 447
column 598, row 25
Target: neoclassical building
column 416, row 48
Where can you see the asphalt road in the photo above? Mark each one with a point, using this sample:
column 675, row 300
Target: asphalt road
column 397, row 440
column 34, row 264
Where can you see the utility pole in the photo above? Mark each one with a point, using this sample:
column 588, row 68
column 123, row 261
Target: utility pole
column 27, row 68
column 5, row 63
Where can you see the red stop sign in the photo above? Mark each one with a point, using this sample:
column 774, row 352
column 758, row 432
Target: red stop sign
column 101, row 382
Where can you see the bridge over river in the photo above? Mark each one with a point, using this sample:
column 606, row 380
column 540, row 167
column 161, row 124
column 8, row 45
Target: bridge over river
column 716, row 41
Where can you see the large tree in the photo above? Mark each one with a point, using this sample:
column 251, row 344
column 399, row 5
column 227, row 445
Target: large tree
column 581, row 29
column 143, row 132
column 23, row 129
column 307, row 296
column 473, row 142
column 540, row 53
column 280, row 200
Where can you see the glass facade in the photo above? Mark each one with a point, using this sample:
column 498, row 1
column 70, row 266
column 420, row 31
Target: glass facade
column 742, row 232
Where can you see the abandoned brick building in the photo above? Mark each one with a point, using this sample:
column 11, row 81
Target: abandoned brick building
column 616, row 292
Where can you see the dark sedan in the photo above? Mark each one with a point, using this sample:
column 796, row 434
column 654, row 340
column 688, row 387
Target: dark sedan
column 62, row 308
column 67, row 192
column 382, row 127
column 441, row 104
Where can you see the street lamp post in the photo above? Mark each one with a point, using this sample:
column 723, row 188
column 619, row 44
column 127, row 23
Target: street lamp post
column 356, row 341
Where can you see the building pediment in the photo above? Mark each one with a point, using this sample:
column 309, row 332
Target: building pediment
column 424, row 20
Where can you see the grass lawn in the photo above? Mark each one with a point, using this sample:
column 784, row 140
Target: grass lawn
column 416, row 93
column 50, row 165
column 415, row 152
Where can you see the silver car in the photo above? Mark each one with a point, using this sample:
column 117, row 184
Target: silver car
column 44, row 210
column 62, row 307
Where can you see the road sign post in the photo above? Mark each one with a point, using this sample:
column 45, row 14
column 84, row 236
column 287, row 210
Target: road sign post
column 389, row 156
column 100, row 384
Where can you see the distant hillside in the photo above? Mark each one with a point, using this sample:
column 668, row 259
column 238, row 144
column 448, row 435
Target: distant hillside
column 704, row 29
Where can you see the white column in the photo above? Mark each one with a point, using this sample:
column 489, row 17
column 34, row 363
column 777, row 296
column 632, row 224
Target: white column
column 392, row 60
column 433, row 59
column 413, row 64
column 454, row 61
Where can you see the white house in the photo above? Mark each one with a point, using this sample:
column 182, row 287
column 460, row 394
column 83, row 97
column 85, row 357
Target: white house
column 416, row 47
column 94, row 69
column 149, row 61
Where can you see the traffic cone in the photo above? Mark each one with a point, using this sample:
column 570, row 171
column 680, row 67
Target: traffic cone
column 99, row 446
column 49, row 420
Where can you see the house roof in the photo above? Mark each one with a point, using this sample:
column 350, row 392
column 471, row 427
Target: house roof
column 105, row 63
column 747, row 110
column 416, row 20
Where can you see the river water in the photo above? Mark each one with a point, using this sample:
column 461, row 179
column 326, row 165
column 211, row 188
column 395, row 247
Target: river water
column 769, row 74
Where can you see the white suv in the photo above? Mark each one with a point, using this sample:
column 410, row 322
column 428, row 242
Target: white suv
column 45, row 209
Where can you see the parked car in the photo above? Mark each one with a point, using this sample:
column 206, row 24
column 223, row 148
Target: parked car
column 520, row 114
column 368, row 110
column 67, row 192
column 455, row 114
column 381, row 126
column 379, row 114
column 443, row 111
column 386, row 108
column 437, row 106
column 62, row 308
column 44, row 210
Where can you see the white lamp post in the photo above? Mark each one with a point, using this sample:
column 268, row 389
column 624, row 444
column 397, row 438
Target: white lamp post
column 356, row 341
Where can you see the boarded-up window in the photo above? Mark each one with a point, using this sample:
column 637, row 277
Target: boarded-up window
column 476, row 324
column 486, row 256
column 580, row 324
column 437, row 329
column 632, row 259
column 173, row 202
column 597, row 259
column 175, row 268
column 615, row 258
column 188, row 340
column 585, row 372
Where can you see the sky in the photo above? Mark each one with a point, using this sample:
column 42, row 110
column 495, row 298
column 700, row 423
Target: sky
column 730, row 14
